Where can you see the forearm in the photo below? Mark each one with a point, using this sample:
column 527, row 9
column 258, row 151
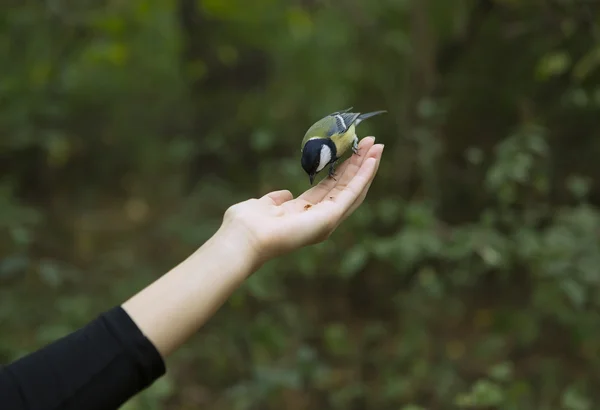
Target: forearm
column 174, row 307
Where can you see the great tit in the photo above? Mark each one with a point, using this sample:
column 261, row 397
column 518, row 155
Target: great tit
column 328, row 139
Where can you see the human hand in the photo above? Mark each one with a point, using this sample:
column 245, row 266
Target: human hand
column 277, row 223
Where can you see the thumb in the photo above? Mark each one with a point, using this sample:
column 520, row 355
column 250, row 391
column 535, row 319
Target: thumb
column 278, row 197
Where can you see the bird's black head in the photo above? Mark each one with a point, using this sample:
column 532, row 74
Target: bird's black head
column 316, row 154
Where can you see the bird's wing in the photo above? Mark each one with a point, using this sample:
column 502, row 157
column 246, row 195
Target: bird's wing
column 343, row 121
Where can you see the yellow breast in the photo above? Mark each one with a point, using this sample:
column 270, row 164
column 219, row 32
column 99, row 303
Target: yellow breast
column 344, row 141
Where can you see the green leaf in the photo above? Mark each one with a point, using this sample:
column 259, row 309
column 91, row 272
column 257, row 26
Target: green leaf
column 574, row 291
column 553, row 64
column 336, row 338
column 12, row 266
column 572, row 399
column 487, row 393
column 501, row 372
column 412, row 407
column 51, row 272
column 579, row 186
column 589, row 63
column 354, row 261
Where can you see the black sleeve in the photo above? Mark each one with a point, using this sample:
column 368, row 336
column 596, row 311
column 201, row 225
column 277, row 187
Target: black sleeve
column 98, row 367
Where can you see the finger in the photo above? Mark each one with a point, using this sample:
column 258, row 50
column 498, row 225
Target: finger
column 345, row 172
column 347, row 197
column 355, row 163
column 374, row 152
column 277, row 197
column 358, row 202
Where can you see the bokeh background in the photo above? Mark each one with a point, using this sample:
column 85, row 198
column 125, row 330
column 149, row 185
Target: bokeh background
column 468, row 279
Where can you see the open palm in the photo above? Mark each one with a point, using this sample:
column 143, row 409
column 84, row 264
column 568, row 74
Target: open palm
column 277, row 223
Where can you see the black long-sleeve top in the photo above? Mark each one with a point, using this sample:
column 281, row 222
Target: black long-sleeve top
column 98, row 367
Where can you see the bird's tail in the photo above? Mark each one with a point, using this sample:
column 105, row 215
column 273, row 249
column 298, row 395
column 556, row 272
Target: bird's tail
column 366, row 115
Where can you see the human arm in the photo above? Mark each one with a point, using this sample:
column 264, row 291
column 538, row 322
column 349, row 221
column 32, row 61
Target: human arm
column 121, row 352
column 174, row 307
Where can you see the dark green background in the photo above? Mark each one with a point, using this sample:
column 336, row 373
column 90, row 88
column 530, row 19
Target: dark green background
column 468, row 279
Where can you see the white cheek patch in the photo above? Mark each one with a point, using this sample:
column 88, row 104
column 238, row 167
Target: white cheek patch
column 325, row 157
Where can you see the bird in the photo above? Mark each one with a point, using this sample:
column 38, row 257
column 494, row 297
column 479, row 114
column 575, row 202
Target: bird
column 329, row 138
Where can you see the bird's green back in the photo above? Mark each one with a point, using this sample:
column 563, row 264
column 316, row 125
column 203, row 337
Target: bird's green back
column 318, row 129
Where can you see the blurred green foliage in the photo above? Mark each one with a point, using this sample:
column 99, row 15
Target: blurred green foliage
column 468, row 279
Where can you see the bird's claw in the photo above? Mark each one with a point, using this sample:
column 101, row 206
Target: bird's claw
column 355, row 148
column 332, row 173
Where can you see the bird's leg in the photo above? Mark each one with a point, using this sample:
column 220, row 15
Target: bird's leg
column 355, row 146
column 332, row 171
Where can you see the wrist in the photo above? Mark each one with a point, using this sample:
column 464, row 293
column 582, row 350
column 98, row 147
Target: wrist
column 235, row 245
column 193, row 290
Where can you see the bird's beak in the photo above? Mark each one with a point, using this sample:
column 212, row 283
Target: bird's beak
column 311, row 178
